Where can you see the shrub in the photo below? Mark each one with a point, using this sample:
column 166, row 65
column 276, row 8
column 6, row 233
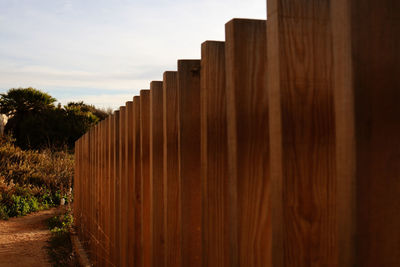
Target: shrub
column 3, row 212
column 32, row 180
column 60, row 246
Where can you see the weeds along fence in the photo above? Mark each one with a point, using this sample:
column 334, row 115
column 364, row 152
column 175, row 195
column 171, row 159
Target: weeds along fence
column 280, row 147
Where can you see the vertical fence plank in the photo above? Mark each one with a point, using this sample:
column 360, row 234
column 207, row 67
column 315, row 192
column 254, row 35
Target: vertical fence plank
column 300, row 79
column 106, row 196
column 138, row 253
column 76, row 186
column 102, row 192
column 214, row 169
column 171, row 170
column 96, row 194
column 84, row 200
column 112, row 187
column 145, row 174
column 122, row 189
column 81, row 189
column 92, row 192
column 97, row 175
column 366, row 93
column 156, row 174
column 100, row 199
column 87, row 193
column 116, row 256
column 189, row 145
column 130, row 165
column 97, row 202
column 248, row 146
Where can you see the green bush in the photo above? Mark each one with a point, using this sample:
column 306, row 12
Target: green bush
column 3, row 212
column 36, row 123
column 60, row 246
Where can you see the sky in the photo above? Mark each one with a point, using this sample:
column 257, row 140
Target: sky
column 103, row 52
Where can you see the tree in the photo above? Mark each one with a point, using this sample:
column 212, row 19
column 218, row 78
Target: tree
column 36, row 123
column 24, row 100
column 82, row 107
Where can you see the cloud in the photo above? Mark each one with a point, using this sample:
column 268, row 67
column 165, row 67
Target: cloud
column 113, row 46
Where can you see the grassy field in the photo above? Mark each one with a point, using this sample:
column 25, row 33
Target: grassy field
column 32, row 180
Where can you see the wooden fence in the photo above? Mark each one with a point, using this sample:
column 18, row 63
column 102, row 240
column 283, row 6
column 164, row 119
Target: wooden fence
column 280, row 147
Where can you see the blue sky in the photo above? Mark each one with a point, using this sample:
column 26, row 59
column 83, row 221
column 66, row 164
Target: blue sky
column 104, row 52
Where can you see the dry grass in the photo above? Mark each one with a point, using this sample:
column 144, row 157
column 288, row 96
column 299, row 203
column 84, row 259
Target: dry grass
column 32, row 180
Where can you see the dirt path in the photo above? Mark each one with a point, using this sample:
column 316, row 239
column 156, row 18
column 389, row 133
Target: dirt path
column 23, row 240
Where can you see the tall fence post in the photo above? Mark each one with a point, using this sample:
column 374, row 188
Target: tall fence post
column 111, row 218
column 77, row 186
column 189, row 161
column 98, row 193
column 156, row 174
column 248, row 146
column 172, row 215
column 130, row 176
column 116, row 187
column 138, row 253
column 106, row 196
column 92, row 192
column 366, row 88
column 85, row 199
column 303, row 160
column 145, row 173
column 122, row 193
column 214, row 169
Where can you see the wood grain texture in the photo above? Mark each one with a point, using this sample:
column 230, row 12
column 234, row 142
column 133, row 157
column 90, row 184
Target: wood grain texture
column 87, row 193
column 77, row 186
column 156, row 174
column 248, row 142
column 97, row 198
column 367, row 95
column 123, row 189
column 98, row 195
column 130, row 176
column 171, row 170
column 112, row 187
column 138, row 253
column 145, row 173
column 106, row 197
column 101, row 195
column 84, row 188
column 92, row 239
column 116, row 221
column 303, row 159
column 189, row 161
column 89, row 188
column 214, row 162
column 94, row 197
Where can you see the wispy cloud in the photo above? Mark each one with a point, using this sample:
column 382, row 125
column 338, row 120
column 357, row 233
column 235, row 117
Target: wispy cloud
column 115, row 46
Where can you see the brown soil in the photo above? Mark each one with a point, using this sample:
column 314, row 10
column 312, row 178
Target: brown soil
column 23, row 240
